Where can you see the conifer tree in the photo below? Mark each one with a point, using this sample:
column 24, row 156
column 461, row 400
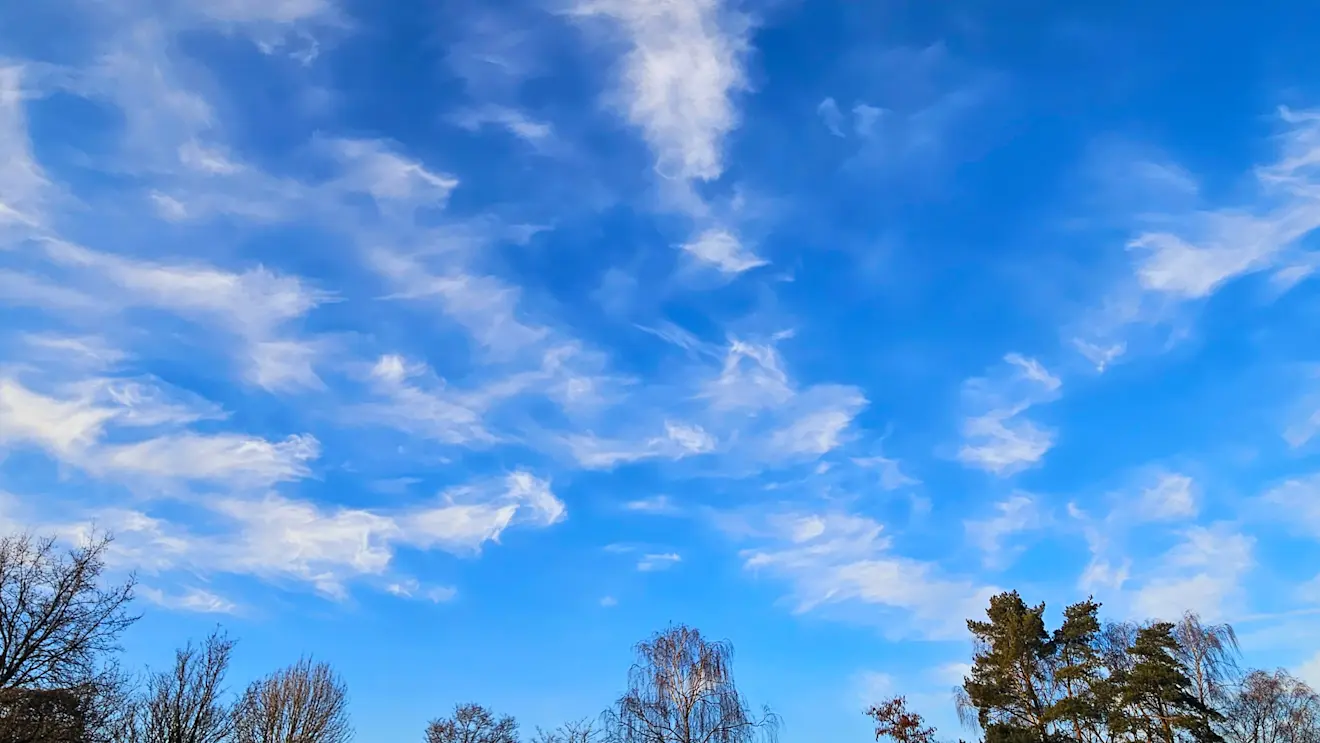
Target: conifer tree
column 1082, row 693
column 1010, row 683
column 1155, row 695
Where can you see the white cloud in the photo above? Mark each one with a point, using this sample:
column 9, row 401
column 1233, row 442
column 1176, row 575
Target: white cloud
column 1295, row 502
column 952, row 674
column 1203, row 573
column 662, row 561
column 283, row 365
column 471, row 515
column 252, row 301
column 684, row 65
column 87, row 352
column 1208, row 248
column 743, row 408
column 1101, row 574
column 874, row 686
column 891, row 472
column 373, row 167
column 752, row 377
column 1157, row 498
column 657, row 504
column 997, row 438
column 258, row 11
column 609, row 601
column 723, row 250
column 230, row 458
column 1309, row 671
column 514, row 121
column 829, row 113
column 1033, row 371
column 278, row 537
column 63, row 427
column 484, row 305
column 73, row 428
column 253, row 306
column 679, row 441
column 191, row 599
column 1170, row 498
column 823, row 415
column 834, row 558
column 1101, row 356
column 147, row 402
column 1017, row 514
column 23, row 184
column 410, row 588
column 1003, row 444
column 866, row 117
column 417, row 402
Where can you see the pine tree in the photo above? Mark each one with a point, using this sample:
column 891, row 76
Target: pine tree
column 1155, row 695
column 1079, row 674
column 1009, row 685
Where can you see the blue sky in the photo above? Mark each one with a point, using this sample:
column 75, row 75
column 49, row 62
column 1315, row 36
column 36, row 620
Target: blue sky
column 465, row 344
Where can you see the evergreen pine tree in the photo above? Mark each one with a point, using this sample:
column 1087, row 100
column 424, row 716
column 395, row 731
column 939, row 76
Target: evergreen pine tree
column 1010, row 684
column 1155, row 694
column 1082, row 694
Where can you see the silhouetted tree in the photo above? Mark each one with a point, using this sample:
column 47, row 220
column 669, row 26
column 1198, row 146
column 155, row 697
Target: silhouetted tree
column 681, row 690
column 580, row 731
column 59, row 627
column 894, row 721
column 1082, row 693
column 56, row 621
column 184, row 705
column 472, row 723
column 1272, row 708
column 304, row 703
column 1156, row 695
column 1010, row 682
column 1208, row 652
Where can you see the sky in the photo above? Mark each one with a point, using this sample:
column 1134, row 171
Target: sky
column 465, row 344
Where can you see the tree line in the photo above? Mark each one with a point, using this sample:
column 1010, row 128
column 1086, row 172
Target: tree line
column 1112, row 682
column 1084, row 682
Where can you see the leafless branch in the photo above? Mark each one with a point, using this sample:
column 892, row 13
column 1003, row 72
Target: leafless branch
column 304, row 703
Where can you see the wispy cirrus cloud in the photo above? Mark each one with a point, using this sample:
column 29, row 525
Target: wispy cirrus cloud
column 1189, row 253
column 75, row 424
column 1017, row 514
column 684, row 65
column 192, row 599
column 23, row 184
column 839, row 558
column 1202, row 573
column 254, row 307
column 737, row 403
column 660, row 561
column 278, row 538
column 997, row 437
column 1153, row 556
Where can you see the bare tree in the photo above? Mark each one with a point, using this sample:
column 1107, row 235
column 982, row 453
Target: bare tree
column 472, row 723
column 57, row 623
column 184, row 705
column 580, row 731
column 681, row 690
column 1114, row 642
column 1272, row 708
column 59, row 628
column 894, row 721
column 1209, row 653
column 304, row 703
